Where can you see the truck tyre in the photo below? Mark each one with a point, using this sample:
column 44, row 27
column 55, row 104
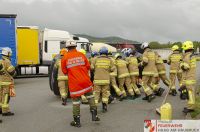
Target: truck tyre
column 53, row 74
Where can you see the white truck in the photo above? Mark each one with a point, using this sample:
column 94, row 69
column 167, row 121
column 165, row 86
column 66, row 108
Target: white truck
column 51, row 43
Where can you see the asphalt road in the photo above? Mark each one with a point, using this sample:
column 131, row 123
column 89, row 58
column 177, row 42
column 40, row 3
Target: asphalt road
column 38, row 110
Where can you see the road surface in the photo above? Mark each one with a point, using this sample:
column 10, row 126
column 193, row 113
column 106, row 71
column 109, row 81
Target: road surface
column 38, row 110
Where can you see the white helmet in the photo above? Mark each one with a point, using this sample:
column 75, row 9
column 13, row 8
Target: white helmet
column 144, row 45
column 6, row 51
column 70, row 43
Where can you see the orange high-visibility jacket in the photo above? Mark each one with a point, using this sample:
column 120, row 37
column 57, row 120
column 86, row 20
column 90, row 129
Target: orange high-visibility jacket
column 76, row 66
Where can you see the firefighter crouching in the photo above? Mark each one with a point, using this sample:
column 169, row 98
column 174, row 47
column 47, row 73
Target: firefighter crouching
column 174, row 61
column 149, row 71
column 76, row 66
column 113, row 76
column 102, row 66
column 7, row 71
column 123, row 76
column 188, row 65
column 133, row 70
column 62, row 78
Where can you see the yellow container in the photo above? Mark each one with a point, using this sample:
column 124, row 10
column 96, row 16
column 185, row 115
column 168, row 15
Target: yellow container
column 28, row 46
column 166, row 111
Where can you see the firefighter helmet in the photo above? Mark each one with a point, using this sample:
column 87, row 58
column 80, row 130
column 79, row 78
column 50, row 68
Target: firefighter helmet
column 70, row 43
column 174, row 48
column 144, row 45
column 118, row 55
column 6, row 51
column 94, row 53
column 187, row 45
column 103, row 50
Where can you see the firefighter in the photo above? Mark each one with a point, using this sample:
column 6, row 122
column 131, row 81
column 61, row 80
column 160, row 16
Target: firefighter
column 113, row 76
column 161, row 74
column 149, row 70
column 102, row 66
column 133, row 69
column 188, row 66
column 76, row 66
column 7, row 71
column 123, row 76
column 162, row 71
column 83, row 98
column 94, row 54
column 62, row 78
column 174, row 61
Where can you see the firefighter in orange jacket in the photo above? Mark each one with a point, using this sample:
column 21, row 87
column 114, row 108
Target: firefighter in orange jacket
column 76, row 66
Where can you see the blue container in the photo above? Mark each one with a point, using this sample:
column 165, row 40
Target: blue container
column 8, row 34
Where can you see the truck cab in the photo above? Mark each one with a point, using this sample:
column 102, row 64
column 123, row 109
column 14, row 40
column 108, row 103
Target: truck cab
column 50, row 44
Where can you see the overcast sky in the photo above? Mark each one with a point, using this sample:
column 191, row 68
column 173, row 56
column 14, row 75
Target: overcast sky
column 141, row 20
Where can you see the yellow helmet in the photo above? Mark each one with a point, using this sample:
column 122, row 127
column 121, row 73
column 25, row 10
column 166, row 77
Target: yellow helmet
column 117, row 55
column 187, row 45
column 63, row 51
column 82, row 51
column 175, row 47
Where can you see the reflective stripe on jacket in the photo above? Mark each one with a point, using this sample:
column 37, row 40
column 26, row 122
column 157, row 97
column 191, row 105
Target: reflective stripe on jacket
column 76, row 66
column 102, row 67
column 122, row 70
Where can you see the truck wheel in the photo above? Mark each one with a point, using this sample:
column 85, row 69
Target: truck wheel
column 54, row 81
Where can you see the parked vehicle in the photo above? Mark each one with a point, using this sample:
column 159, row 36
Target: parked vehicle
column 8, row 34
column 28, row 50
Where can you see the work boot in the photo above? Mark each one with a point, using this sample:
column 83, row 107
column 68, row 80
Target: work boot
column 64, row 101
column 8, row 114
column 137, row 95
column 94, row 115
column 132, row 97
column 110, row 99
column 76, row 122
column 104, row 107
column 159, row 92
column 173, row 92
column 151, row 97
column 186, row 110
column 121, row 97
column 145, row 98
